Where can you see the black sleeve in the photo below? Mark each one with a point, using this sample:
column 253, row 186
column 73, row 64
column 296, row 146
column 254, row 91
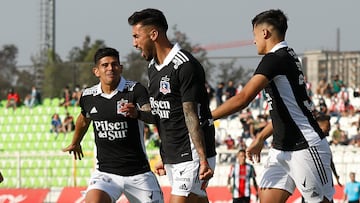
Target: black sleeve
column 141, row 95
column 269, row 66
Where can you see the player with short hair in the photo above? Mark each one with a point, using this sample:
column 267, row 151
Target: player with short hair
column 179, row 107
column 300, row 155
column 122, row 164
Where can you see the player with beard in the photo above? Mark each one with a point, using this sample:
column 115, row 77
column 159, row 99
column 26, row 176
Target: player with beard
column 179, row 108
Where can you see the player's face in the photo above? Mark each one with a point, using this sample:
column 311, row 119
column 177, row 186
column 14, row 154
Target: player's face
column 142, row 40
column 108, row 70
column 259, row 39
column 241, row 157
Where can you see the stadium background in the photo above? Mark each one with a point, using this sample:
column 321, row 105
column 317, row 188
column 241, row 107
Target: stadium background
column 36, row 170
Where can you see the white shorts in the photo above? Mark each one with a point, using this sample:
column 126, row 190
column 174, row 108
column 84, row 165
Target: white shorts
column 309, row 170
column 139, row 188
column 184, row 177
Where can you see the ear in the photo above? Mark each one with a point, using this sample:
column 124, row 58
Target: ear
column 154, row 34
column 266, row 33
column 96, row 72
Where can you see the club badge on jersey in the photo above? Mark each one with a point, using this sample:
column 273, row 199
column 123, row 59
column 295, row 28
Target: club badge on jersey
column 165, row 85
column 119, row 104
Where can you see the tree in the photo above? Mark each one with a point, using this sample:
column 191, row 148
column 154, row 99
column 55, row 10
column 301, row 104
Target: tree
column 8, row 70
column 136, row 68
column 199, row 53
column 76, row 71
column 229, row 71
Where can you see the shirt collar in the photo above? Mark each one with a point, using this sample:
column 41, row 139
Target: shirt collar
column 279, row 46
column 120, row 88
column 176, row 48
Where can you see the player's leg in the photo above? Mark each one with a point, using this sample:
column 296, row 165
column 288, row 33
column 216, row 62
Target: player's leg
column 103, row 188
column 273, row 195
column 143, row 188
column 97, row 196
column 185, row 183
column 276, row 185
column 311, row 172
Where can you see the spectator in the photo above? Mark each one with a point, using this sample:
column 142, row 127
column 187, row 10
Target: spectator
column 219, row 93
column 210, row 91
column 66, row 97
column 339, row 136
column 13, row 99
column 68, row 123
column 352, row 190
column 152, row 139
column 56, row 125
column 240, row 175
column 337, row 84
column 75, row 96
column 230, row 142
column 230, row 90
column 32, row 99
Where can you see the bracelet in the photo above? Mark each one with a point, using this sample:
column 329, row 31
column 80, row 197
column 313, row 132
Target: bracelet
column 204, row 163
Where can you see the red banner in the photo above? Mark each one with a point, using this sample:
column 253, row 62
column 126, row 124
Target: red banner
column 215, row 194
column 23, row 195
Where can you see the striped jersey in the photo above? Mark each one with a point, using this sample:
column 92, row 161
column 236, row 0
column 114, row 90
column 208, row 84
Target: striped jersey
column 119, row 140
column 181, row 78
column 241, row 176
column 290, row 107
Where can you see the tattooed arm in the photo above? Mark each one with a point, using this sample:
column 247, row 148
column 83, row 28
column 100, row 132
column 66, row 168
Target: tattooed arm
column 197, row 137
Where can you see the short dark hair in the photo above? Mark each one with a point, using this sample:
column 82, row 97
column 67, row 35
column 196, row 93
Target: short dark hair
column 107, row 51
column 241, row 150
column 272, row 17
column 149, row 16
column 322, row 117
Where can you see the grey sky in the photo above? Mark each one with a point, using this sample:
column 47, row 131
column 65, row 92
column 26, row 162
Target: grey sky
column 312, row 24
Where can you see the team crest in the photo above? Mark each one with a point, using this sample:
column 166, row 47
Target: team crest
column 165, row 85
column 119, row 104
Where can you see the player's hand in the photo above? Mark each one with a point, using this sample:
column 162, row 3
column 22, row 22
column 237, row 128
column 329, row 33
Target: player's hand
column 159, row 168
column 254, row 150
column 76, row 150
column 205, row 172
column 338, row 181
column 129, row 109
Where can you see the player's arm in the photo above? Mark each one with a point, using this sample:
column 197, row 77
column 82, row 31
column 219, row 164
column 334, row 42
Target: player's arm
column 197, row 137
column 332, row 165
column 144, row 114
column 242, row 99
column 142, row 110
column 254, row 150
column 81, row 127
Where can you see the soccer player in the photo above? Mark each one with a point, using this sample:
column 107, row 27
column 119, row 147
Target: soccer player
column 241, row 173
column 300, row 155
column 179, row 107
column 122, row 165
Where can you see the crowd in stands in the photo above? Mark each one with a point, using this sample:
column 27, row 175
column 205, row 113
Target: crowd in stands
column 332, row 98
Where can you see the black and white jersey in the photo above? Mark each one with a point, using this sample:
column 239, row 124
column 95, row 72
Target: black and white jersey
column 181, row 78
column 119, row 140
column 290, row 106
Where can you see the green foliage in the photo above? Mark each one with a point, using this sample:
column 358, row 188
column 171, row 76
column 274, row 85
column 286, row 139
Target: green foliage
column 8, row 71
column 136, row 68
column 77, row 71
column 230, row 71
